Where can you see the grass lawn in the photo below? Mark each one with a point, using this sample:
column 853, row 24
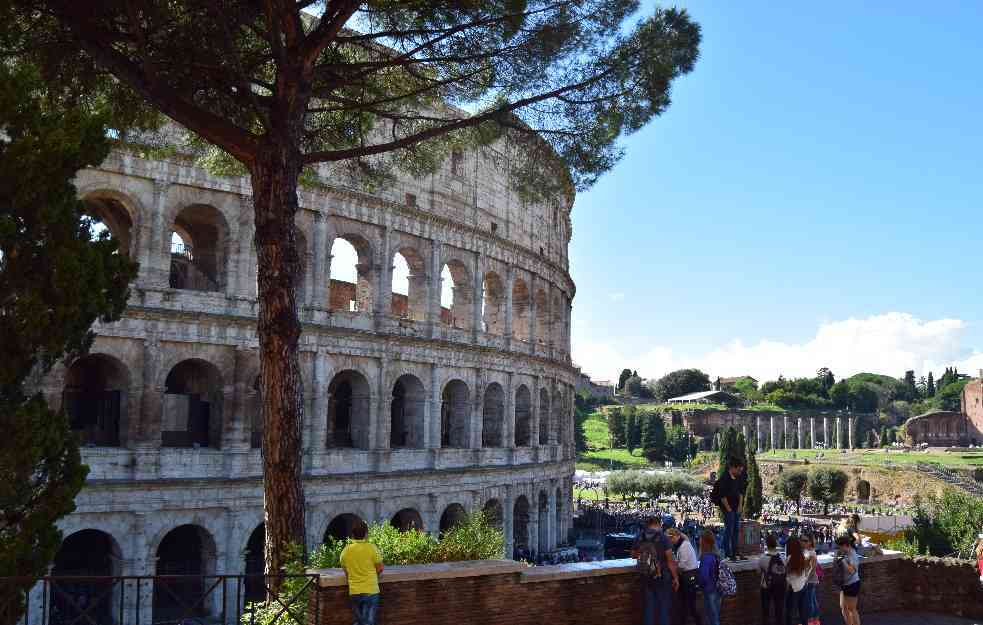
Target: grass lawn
column 611, row 460
column 880, row 458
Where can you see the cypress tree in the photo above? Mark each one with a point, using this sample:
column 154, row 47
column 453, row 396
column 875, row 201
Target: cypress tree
column 754, row 493
column 616, row 427
column 653, row 436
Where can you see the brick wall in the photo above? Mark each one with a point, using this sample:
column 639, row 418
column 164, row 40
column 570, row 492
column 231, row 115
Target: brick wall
column 972, row 405
column 587, row 594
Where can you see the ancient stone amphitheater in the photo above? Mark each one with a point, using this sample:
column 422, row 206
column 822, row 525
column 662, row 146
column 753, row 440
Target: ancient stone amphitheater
column 437, row 378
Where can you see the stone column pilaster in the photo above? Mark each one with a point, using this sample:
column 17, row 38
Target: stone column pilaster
column 322, row 275
column 509, row 279
column 384, row 288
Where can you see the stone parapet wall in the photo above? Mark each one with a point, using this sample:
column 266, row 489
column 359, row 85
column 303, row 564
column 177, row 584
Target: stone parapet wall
column 608, row 592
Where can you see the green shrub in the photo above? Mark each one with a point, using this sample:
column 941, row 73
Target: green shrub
column 946, row 525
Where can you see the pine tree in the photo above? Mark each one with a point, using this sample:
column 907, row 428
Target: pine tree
column 632, row 434
column 754, row 493
column 653, row 436
column 57, row 278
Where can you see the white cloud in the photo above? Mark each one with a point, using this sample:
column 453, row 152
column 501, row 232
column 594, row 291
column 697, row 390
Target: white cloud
column 890, row 343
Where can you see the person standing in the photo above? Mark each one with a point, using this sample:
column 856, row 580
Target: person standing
column 849, row 561
column 362, row 563
column 797, row 573
column 728, row 493
column 657, row 571
column 771, row 566
column 708, row 575
column 812, row 584
column 979, row 556
column 689, row 567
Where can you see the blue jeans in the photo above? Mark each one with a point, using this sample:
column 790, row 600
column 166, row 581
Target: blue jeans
column 364, row 608
column 797, row 603
column 656, row 599
column 732, row 528
column 711, row 607
column 812, row 601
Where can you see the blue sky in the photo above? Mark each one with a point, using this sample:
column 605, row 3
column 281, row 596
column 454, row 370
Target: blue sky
column 812, row 198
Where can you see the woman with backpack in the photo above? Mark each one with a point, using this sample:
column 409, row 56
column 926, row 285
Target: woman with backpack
column 771, row 565
column 797, row 573
column 658, row 572
column 708, row 576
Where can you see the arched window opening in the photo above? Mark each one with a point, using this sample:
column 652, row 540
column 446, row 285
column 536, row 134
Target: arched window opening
column 520, row 527
column 557, row 422
column 520, row 310
column 407, row 520
column 493, row 304
column 85, row 555
column 523, row 417
column 192, row 415
column 493, row 416
column 542, row 318
column 341, row 527
column 351, row 275
column 493, row 513
column 184, row 555
column 407, row 412
column 455, row 413
column 453, row 515
column 544, row 417
column 255, row 584
column 544, row 511
column 109, row 215
column 198, row 238
column 409, row 285
column 456, row 295
column 348, row 410
column 94, row 398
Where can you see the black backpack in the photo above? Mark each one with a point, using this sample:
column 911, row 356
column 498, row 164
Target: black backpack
column 839, row 572
column 775, row 574
column 650, row 556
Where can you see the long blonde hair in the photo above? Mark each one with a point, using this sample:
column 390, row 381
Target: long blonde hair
column 979, row 549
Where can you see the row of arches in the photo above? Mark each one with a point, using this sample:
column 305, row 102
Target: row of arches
column 182, row 560
column 193, row 411
column 199, row 246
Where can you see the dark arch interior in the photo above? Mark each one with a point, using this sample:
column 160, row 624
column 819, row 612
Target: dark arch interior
column 493, row 513
column 520, row 527
column 109, row 213
column 192, row 406
column 348, row 410
column 453, row 515
column 184, row 551
column 406, row 413
column 255, row 553
column 88, row 553
column 407, row 519
column 523, row 417
column 341, row 527
column 93, row 399
column 455, row 411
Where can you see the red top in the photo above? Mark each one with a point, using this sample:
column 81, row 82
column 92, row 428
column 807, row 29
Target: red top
column 979, row 563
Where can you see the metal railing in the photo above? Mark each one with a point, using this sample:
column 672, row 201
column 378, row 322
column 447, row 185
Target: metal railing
column 162, row 600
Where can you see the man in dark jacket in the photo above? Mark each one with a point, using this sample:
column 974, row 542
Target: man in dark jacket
column 728, row 493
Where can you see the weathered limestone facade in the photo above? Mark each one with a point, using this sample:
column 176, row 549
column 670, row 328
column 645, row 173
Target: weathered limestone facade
column 412, row 411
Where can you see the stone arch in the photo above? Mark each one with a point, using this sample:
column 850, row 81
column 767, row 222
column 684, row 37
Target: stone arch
column 85, row 554
column 544, row 511
column 520, row 310
column 523, row 416
column 341, row 526
column 349, row 402
column 493, row 513
column 351, row 285
column 493, row 416
column 95, row 397
column 406, row 520
column 413, row 303
column 493, row 304
column 192, row 413
column 189, row 552
column 198, row 247
column 544, row 417
column 863, row 490
column 520, row 524
column 453, row 515
column 542, row 317
column 456, row 293
column 407, row 412
column 455, row 415
column 558, row 320
column 117, row 213
column 254, row 556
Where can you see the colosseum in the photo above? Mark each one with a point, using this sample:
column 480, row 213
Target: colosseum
column 437, row 377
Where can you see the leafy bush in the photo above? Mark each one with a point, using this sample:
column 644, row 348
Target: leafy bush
column 946, row 525
column 827, row 485
column 632, row 484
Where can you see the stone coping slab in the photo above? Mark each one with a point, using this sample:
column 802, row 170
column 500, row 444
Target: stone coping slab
column 418, row 572
column 534, row 574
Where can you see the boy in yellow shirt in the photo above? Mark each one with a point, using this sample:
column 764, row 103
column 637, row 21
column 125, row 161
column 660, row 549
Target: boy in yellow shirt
column 363, row 565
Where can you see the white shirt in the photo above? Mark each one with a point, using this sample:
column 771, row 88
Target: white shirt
column 686, row 556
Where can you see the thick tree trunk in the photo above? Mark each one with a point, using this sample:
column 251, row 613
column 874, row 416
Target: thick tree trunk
column 274, row 178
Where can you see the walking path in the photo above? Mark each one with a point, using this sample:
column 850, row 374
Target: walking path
column 907, row 618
